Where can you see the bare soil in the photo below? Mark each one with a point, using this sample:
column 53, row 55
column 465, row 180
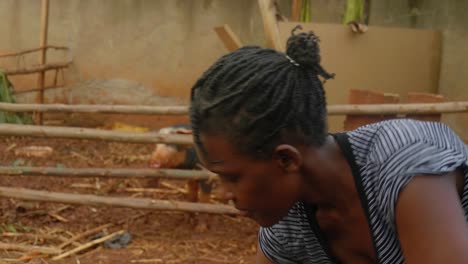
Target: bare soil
column 157, row 236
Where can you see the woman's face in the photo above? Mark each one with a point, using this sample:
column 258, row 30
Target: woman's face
column 263, row 190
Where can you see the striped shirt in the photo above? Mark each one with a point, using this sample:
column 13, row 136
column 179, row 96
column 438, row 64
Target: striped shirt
column 386, row 156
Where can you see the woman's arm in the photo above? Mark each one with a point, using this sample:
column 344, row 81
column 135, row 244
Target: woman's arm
column 430, row 220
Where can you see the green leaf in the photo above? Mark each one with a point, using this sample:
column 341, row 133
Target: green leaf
column 354, row 11
column 19, row 163
column 11, row 228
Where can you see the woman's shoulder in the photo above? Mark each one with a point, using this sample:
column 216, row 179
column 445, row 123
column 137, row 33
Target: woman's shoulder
column 382, row 140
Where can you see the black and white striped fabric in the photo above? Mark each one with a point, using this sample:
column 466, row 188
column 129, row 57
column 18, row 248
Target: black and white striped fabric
column 388, row 154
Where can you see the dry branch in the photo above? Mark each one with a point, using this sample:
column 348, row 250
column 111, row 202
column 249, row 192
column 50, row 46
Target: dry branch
column 26, row 51
column 84, row 234
column 108, row 173
column 94, row 134
column 39, row 68
column 93, row 200
column 103, row 109
column 88, row 245
column 344, row 109
column 27, row 248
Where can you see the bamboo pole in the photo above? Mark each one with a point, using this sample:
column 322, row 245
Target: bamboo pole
column 26, row 51
column 344, row 109
column 36, row 69
column 227, row 36
column 270, row 24
column 93, row 134
column 176, row 174
column 43, row 54
column 103, row 109
column 383, row 109
column 130, row 202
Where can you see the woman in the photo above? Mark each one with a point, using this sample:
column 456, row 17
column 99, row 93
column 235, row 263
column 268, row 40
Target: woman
column 390, row 192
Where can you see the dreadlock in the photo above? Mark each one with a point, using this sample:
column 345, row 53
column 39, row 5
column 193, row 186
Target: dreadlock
column 260, row 98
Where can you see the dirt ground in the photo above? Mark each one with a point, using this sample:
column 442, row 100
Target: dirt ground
column 157, row 236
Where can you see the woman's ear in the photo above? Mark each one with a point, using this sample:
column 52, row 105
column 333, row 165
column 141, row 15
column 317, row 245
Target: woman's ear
column 288, row 157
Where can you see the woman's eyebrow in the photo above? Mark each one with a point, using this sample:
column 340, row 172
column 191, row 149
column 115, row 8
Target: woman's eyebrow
column 215, row 161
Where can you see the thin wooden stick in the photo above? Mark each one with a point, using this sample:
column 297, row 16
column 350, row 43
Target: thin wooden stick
column 93, row 200
column 85, row 234
column 43, row 55
column 27, row 248
column 103, row 109
column 338, row 109
column 88, row 245
column 177, row 174
column 39, row 68
column 37, row 89
column 97, row 229
column 94, row 134
column 26, row 51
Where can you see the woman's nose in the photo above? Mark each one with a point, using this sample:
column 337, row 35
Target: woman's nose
column 227, row 193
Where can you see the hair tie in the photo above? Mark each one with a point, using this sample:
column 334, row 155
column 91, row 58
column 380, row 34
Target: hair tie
column 292, row 61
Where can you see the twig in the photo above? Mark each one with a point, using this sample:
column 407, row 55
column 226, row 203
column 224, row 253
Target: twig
column 173, row 187
column 88, row 245
column 18, row 247
column 84, row 234
column 147, row 261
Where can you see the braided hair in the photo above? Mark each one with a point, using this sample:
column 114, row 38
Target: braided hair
column 260, row 98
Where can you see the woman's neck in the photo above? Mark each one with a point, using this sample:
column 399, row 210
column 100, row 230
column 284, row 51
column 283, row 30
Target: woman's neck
column 328, row 179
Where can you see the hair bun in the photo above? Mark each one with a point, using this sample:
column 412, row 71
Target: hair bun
column 304, row 49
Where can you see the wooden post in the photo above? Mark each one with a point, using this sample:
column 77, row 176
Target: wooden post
column 43, row 53
column 296, row 10
column 227, row 36
column 192, row 190
column 270, row 24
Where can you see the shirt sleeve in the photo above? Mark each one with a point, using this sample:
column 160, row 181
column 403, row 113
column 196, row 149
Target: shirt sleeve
column 272, row 246
column 412, row 148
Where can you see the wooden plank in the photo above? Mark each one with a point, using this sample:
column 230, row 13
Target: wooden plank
column 270, row 24
column 129, row 202
column 228, row 37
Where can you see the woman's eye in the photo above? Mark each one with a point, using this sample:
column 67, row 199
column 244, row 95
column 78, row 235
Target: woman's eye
column 230, row 177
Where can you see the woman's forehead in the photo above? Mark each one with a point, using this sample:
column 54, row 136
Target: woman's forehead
column 218, row 151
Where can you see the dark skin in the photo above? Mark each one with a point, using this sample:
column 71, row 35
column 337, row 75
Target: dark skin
column 265, row 190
